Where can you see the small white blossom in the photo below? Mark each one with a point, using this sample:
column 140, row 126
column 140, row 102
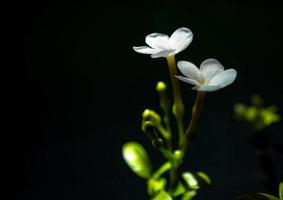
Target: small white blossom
column 161, row 45
column 211, row 75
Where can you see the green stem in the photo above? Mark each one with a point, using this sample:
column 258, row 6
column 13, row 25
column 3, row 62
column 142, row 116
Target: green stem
column 178, row 112
column 178, row 106
column 165, row 167
column 164, row 104
column 190, row 132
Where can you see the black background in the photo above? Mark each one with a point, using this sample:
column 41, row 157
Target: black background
column 79, row 90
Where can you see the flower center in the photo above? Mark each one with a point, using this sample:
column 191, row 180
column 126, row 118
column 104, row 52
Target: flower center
column 202, row 82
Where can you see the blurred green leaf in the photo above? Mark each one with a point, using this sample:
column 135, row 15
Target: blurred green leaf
column 189, row 195
column 155, row 185
column 258, row 196
column 137, row 159
column 203, row 178
column 191, row 181
column 240, row 109
column 196, row 180
column 180, row 189
column 257, row 100
column 162, row 196
column 269, row 115
column 256, row 114
column 281, row 190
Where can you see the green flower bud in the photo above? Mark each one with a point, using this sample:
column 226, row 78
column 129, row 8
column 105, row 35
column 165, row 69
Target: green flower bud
column 161, row 86
column 137, row 159
column 152, row 116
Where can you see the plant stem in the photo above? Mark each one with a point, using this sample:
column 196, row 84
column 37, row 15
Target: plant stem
column 165, row 167
column 190, row 132
column 178, row 106
column 178, row 112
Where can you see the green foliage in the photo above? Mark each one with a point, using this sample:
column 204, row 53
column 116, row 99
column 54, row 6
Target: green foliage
column 137, row 159
column 196, row 180
column 256, row 114
column 189, row 195
column 281, row 190
column 263, row 196
column 163, row 196
column 258, row 196
column 203, row 177
column 155, row 185
column 190, row 180
column 180, row 189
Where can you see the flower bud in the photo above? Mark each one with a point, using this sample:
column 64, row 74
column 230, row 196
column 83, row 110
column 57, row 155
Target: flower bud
column 161, row 87
column 158, row 143
column 137, row 159
column 151, row 116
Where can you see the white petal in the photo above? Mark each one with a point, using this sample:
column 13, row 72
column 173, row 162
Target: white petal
column 180, row 39
column 145, row 50
column 207, row 88
column 162, row 53
column 224, row 78
column 158, row 41
column 210, row 68
column 187, row 80
column 189, row 70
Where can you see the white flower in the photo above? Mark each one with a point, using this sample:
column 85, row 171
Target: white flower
column 160, row 45
column 210, row 77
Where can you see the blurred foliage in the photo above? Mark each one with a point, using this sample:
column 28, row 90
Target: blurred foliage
column 281, row 190
column 155, row 185
column 263, row 196
column 256, row 114
column 162, row 196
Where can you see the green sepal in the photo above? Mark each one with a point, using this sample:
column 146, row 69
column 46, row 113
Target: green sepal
column 258, row 196
column 162, row 196
column 137, row 159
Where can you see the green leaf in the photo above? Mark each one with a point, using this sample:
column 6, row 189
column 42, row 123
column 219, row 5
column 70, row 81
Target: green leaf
column 137, row 159
column 258, row 196
column 180, row 189
column 189, row 195
column 155, row 185
column 191, row 180
column 203, row 178
column 162, row 196
column 281, row 190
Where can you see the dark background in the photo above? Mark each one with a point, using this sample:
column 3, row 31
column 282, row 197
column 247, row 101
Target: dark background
column 79, row 90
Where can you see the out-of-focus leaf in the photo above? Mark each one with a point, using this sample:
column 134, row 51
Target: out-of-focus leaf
column 240, row 109
column 269, row 115
column 180, row 189
column 258, row 196
column 251, row 113
column 137, row 159
column 191, row 180
column 189, row 195
column 281, row 190
column 203, row 178
column 155, row 185
column 162, row 196
column 257, row 100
